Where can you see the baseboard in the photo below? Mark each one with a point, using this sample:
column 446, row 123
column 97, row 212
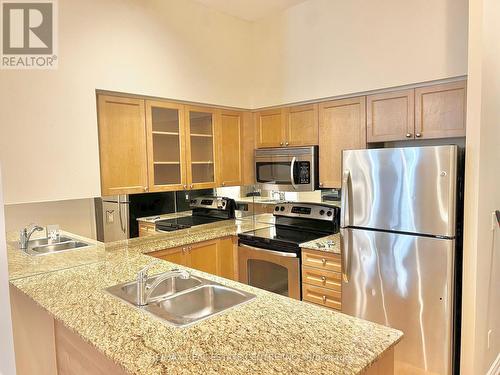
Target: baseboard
column 495, row 367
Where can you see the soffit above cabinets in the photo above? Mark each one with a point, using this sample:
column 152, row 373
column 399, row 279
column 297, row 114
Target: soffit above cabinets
column 250, row 10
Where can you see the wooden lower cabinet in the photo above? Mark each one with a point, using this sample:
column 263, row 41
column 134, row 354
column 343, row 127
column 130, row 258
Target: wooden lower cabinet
column 322, row 278
column 217, row 256
column 146, row 229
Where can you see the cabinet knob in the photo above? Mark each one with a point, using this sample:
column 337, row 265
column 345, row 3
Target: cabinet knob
column 191, row 186
column 223, row 184
column 184, row 186
column 323, row 261
column 145, row 188
column 281, row 143
column 320, row 184
column 408, row 135
column 418, row 135
column 286, row 143
column 183, row 249
column 324, row 299
column 323, row 279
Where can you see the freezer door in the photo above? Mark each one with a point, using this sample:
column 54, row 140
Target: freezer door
column 114, row 227
column 409, row 189
column 405, row 282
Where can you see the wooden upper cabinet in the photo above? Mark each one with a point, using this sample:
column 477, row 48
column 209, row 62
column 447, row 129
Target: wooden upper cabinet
column 390, row 116
column 122, row 145
column 270, row 128
column 342, row 126
column 229, row 141
column 440, row 110
column 201, row 148
column 165, row 146
column 302, row 125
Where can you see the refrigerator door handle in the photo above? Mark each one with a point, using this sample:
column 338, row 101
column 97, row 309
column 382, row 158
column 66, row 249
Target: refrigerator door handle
column 120, row 215
column 345, row 251
column 345, row 204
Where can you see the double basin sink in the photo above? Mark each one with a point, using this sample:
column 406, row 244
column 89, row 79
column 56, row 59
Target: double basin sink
column 183, row 302
column 45, row 246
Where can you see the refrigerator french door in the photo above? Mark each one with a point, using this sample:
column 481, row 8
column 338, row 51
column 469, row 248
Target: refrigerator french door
column 398, row 242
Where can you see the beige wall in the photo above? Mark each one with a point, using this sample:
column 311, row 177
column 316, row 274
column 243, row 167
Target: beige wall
column 75, row 216
column 175, row 48
column 7, row 361
column 323, row 48
column 481, row 294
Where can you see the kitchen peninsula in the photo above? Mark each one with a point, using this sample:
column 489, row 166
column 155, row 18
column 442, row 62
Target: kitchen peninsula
column 66, row 323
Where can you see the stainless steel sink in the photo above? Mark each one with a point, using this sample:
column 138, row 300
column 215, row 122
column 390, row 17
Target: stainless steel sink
column 182, row 302
column 168, row 287
column 44, row 246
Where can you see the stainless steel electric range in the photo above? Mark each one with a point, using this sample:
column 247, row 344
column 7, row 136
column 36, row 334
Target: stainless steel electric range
column 269, row 258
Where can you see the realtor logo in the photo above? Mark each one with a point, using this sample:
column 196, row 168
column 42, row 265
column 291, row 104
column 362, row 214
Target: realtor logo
column 28, row 35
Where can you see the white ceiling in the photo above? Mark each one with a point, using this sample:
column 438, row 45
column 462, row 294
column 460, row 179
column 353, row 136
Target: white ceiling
column 250, row 10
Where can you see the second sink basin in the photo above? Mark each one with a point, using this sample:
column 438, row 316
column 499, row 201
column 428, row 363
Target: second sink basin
column 45, row 246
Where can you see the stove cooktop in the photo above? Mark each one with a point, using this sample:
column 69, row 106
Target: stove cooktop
column 184, row 222
column 279, row 238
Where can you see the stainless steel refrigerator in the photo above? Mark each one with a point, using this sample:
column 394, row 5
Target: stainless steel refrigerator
column 399, row 242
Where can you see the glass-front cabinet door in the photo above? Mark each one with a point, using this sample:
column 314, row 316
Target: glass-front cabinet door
column 166, row 146
column 200, row 145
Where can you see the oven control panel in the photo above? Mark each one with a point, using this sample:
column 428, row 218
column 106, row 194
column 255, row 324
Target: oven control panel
column 316, row 211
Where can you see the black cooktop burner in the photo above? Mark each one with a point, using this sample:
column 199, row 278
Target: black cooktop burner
column 184, row 222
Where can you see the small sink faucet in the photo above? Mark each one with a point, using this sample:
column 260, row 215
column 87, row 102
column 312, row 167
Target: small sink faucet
column 25, row 235
column 144, row 290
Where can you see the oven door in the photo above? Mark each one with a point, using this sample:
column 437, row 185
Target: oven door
column 291, row 171
column 274, row 271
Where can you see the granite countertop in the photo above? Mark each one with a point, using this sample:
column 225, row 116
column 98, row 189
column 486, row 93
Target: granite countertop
column 22, row 264
column 329, row 244
column 271, row 334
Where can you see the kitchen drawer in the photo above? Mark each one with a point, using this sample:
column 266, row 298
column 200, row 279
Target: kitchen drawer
column 322, row 278
column 321, row 260
column 322, row 296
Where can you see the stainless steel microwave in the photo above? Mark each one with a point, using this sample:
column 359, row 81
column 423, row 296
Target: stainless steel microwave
column 287, row 169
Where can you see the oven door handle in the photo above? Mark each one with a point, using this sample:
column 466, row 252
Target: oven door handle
column 279, row 253
column 292, row 179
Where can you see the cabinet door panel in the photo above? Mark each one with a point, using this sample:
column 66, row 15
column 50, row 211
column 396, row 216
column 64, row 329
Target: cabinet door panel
column 203, row 257
column 201, row 147
column 230, row 148
column 177, row 255
column 440, row 110
column 166, row 145
column 122, row 145
column 302, row 125
column 226, row 257
column 270, row 128
column 341, row 127
column 390, row 116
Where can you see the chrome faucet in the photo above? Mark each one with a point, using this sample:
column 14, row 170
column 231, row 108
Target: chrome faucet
column 25, row 235
column 144, row 290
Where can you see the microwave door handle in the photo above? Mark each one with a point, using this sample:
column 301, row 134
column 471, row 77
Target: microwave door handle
column 345, row 204
column 292, row 179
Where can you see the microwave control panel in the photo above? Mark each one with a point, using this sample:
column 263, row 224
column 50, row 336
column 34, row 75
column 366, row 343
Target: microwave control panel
column 303, row 173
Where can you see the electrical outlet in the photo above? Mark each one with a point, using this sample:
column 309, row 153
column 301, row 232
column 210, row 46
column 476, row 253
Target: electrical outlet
column 490, row 337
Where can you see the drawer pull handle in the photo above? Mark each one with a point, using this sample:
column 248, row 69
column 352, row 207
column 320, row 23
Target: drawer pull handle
column 323, row 279
column 324, row 299
column 323, row 261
